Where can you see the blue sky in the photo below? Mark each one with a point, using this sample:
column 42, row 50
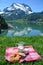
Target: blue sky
column 36, row 5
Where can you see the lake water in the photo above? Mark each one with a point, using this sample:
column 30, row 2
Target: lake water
column 30, row 30
column 22, row 33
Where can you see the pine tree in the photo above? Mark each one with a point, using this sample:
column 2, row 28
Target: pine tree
column 3, row 23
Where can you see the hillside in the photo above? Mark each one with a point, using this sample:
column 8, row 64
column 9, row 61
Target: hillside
column 35, row 17
column 31, row 18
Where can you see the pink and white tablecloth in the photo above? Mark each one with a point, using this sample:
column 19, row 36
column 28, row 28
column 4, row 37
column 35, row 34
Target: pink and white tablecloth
column 31, row 56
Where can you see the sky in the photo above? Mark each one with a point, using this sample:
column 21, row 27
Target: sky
column 36, row 5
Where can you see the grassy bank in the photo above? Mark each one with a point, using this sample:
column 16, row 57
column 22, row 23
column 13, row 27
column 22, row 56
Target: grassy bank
column 36, row 42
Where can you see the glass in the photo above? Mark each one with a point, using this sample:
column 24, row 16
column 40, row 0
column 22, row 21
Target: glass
column 21, row 46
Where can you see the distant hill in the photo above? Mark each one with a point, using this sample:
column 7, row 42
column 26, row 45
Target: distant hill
column 35, row 17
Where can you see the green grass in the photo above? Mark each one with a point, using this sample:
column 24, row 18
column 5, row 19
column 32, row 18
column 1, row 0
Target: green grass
column 35, row 41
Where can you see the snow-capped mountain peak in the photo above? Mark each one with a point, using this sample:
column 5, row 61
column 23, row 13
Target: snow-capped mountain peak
column 17, row 6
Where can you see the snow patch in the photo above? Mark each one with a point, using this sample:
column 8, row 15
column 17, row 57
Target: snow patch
column 1, row 12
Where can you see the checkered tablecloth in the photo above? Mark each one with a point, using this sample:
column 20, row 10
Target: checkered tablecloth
column 32, row 54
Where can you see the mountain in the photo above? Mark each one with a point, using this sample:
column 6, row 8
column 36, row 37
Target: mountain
column 16, row 11
column 36, row 17
column 22, row 13
column 15, row 7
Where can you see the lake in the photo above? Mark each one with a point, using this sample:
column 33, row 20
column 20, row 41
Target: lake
column 29, row 30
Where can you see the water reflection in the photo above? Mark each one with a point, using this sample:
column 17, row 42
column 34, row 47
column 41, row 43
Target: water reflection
column 34, row 33
column 24, row 32
column 10, row 33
